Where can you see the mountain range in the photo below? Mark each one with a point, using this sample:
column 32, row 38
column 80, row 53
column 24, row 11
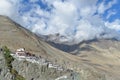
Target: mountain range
column 97, row 59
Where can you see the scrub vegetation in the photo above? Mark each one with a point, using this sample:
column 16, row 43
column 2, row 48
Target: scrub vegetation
column 9, row 59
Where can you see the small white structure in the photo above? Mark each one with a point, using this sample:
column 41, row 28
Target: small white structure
column 20, row 49
column 61, row 77
column 20, row 52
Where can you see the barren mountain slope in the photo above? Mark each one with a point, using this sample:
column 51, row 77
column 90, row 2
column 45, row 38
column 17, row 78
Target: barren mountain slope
column 104, row 54
column 15, row 36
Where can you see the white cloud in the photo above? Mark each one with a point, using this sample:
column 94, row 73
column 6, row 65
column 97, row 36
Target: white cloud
column 85, row 7
column 5, row 7
column 103, row 7
column 9, row 7
column 110, row 13
column 74, row 19
column 33, row 1
column 114, row 25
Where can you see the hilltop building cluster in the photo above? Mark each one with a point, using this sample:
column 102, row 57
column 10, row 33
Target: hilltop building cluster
column 22, row 54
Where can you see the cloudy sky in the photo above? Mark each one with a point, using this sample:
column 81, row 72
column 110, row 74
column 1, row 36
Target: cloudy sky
column 76, row 19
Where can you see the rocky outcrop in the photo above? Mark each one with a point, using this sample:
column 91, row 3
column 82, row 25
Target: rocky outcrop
column 33, row 71
column 4, row 71
column 34, row 68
